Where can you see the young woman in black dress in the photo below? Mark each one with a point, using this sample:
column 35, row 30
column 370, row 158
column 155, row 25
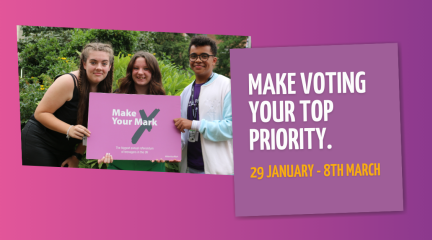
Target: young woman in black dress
column 59, row 123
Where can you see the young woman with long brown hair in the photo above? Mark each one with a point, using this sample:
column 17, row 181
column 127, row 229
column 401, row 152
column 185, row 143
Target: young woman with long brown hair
column 59, row 123
column 143, row 76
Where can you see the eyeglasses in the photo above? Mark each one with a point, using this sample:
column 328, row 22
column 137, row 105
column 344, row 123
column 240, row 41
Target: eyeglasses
column 203, row 56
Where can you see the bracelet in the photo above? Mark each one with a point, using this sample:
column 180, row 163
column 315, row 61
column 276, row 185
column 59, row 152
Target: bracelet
column 67, row 134
column 77, row 155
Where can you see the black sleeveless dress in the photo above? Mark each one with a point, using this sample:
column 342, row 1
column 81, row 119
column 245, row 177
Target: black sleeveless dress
column 44, row 147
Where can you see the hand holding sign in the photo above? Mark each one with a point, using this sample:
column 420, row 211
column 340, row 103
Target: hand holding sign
column 182, row 124
column 78, row 131
column 106, row 159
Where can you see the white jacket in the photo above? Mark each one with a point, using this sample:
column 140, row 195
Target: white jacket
column 215, row 126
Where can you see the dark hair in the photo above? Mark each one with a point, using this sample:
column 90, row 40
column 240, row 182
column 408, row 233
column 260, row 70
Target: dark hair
column 200, row 41
column 155, row 87
column 104, row 86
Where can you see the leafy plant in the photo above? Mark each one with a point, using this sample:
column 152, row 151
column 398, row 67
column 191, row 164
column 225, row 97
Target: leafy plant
column 145, row 42
column 172, row 167
column 228, row 42
column 46, row 81
column 41, row 46
column 28, row 30
column 31, row 92
column 174, row 79
column 172, row 46
column 78, row 39
column 120, row 66
column 62, row 66
column 33, row 34
column 91, row 163
column 36, row 58
column 121, row 41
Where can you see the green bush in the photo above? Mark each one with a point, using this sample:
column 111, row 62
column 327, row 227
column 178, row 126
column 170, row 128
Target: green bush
column 91, row 163
column 174, row 79
column 78, row 39
column 36, row 58
column 29, row 30
column 42, row 46
column 228, row 42
column 46, row 52
column 145, row 42
column 172, row 167
column 33, row 89
column 33, row 34
column 121, row 41
column 31, row 92
column 172, row 47
column 62, row 66
column 120, row 66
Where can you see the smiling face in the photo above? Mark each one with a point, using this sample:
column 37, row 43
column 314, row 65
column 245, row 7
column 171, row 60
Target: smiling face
column 141, row 74
column 97, row 66
column 202, row 68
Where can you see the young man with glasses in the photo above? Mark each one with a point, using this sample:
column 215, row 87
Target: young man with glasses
column 206, row 115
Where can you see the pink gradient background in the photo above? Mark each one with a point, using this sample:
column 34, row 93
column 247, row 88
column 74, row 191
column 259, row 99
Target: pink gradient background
column 53, row 203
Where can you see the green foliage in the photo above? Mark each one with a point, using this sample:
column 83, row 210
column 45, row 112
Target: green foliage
column 77, row 41
column 145, row 42
column 120, row 66
column 174, row 79
column 36, row 58
column 91, row 163
column 28, row 30
column 172, row 167
column 31, row 92
column 172, row 46
column 33, row 34
column 42, row 46
column 121, row 41
column 228, row 42
column 62, row 66
column 46, row 80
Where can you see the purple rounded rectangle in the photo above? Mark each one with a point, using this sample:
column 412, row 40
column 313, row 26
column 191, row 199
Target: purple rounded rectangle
column 362, row 137
column 133, row 127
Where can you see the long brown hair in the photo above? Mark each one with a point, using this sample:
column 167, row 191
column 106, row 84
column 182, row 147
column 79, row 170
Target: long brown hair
column 104, row 86
column 155, row 87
